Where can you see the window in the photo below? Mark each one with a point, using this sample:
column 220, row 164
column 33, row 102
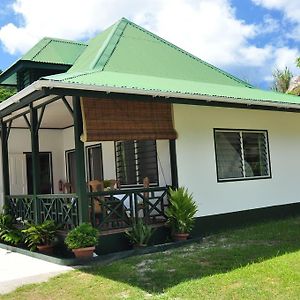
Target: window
column 136, row 160
column 241, row 154
column 94, row 162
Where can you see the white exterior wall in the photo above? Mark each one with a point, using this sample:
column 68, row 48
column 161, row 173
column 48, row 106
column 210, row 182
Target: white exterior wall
column 197, row 166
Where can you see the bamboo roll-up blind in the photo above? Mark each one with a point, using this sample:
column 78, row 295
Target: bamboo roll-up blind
column 115, row 120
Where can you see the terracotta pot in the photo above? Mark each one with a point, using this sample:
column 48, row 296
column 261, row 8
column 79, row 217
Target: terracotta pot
column 45, row 249
column 180, row 236
column 137, row 246
column 84, row 253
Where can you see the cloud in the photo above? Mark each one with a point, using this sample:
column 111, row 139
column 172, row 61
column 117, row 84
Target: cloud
column 290, row 10
column 207, row 28
column 210, row 29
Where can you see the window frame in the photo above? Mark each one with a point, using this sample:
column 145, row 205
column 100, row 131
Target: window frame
column 265, row 132
column 153, row 184
column 88, row 170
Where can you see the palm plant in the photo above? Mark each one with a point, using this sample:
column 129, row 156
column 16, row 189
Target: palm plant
column 140, row 234
column 181, row 210
column 282, row 79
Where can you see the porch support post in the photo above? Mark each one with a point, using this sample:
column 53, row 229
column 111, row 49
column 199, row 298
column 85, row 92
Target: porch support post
column 173, row 161
column 5, row 163
column 81, row 188
column 35, row 161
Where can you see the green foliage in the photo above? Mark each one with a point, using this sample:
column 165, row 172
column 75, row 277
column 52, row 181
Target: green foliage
column 6, row 93
column 8, row 232
column 82, row 236
column 298, row 62
column 181, row 210
column 140, row 233
column 282, row 79
column 40, row 234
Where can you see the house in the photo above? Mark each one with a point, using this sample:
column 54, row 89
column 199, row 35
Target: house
column 127, row 106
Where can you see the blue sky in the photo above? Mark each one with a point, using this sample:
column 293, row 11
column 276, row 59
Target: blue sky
column 248, row 38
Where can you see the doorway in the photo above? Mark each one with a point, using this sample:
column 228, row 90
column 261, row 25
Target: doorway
column 46, row 178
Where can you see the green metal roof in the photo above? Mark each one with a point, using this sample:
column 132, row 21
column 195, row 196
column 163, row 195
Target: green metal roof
column 127, row 48
column 56, row 51
column 46, row 51
column 175, row 86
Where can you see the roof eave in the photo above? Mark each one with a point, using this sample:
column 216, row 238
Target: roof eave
column 55, row 88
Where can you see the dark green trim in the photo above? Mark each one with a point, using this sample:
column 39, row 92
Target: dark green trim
column 21, row 65
column 5, row 162
column 35, row 160
column 81, row 188
column 173, row 162
column 216, row 223
column 68, row 106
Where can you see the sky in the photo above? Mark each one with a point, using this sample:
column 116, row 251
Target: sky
column 247, row 38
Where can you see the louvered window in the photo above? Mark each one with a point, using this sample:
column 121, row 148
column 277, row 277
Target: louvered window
column 136, row 160
column 241, row 154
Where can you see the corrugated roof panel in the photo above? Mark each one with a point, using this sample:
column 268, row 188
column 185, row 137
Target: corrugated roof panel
column 141, row 52
column 174, row 86
column 56, row 51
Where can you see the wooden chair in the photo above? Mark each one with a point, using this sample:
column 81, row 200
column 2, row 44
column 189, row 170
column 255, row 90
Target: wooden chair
column 96, row 186
column 68, row 188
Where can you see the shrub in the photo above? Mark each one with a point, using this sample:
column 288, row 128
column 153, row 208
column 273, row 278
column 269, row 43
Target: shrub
column 8, row 232
column 40, row 234
column 82, row 236
column 140, row 233
column 181, row 210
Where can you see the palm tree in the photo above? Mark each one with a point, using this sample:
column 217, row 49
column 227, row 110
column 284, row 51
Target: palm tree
column 282, row 79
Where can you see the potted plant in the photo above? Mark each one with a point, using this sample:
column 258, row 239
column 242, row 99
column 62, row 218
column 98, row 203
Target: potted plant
column 140, row 234
column 41, row 236
column 82, row 240
column 180, row 213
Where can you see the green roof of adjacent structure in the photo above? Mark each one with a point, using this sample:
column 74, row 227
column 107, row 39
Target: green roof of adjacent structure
column 174, row 87
column 127, row 48
column 55, row 51
column 46, row 51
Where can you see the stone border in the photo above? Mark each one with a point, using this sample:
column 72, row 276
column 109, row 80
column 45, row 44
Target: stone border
column 101, row 259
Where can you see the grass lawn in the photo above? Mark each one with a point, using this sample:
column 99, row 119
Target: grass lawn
column 257, row 262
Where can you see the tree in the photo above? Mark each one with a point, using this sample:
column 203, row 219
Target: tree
column 282, row 79
column 6, row 92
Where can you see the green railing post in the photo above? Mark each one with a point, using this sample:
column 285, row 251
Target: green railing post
column 173, row 161
column 5, row 163
column 35, row 161
column 81, row 188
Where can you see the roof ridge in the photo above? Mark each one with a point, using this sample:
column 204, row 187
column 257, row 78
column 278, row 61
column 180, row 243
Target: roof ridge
column 187, row 53
column 110, row 44
column 38, row 52
column 65, row 41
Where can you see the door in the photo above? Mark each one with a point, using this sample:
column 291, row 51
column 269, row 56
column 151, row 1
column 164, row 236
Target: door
column 17, row 174
column 46, row 184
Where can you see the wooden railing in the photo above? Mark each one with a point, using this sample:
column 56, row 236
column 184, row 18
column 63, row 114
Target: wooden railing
column 61, row 208
column 108, row 209
column 120, row 208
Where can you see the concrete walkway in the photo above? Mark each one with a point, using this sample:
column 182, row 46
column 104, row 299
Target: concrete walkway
column 18, row 269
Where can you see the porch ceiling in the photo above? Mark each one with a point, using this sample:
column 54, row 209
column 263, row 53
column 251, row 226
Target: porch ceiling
column 56, row 115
